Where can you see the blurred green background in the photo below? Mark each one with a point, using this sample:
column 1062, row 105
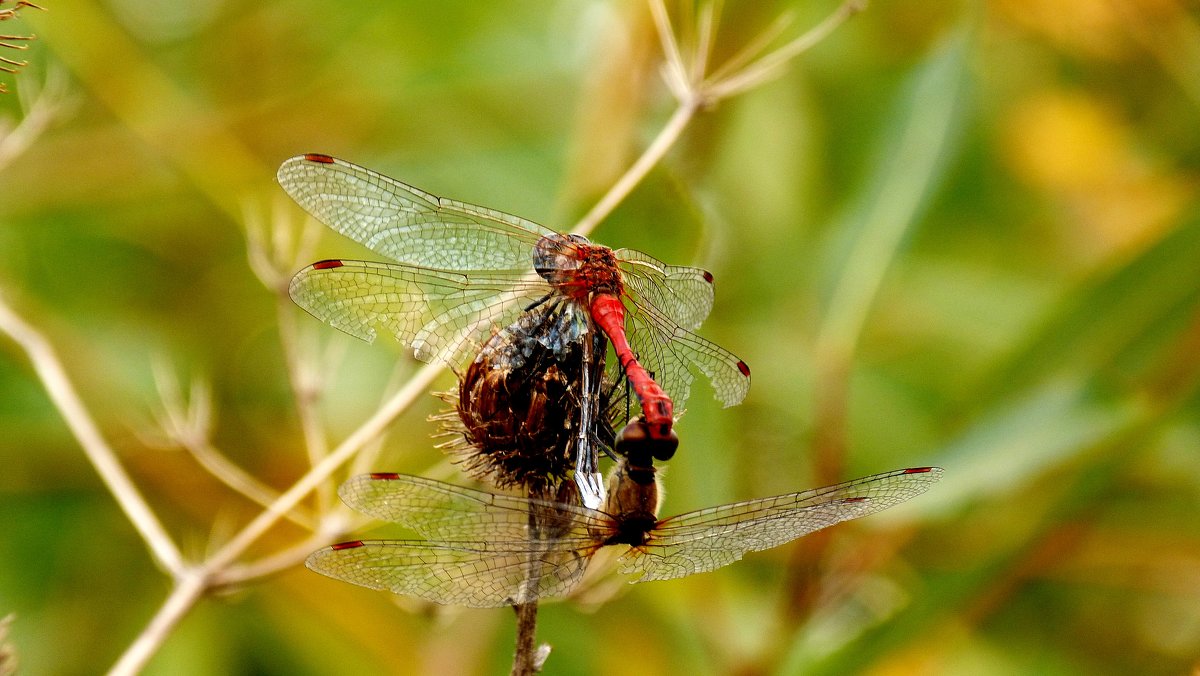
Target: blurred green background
column 954, row 233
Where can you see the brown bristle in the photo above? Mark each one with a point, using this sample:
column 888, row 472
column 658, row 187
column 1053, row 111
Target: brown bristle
column 517, row 408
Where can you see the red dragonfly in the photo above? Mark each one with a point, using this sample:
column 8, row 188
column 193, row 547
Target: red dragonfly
column 485, row 550
column 465, row 270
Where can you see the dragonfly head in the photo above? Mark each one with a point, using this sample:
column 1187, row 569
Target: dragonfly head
column 641, row 448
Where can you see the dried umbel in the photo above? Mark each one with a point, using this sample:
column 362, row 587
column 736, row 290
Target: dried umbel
column 517, row 417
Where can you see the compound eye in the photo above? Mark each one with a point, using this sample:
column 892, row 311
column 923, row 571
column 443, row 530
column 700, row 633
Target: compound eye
column 632, row 437
column 635, row 442
column 664, row 449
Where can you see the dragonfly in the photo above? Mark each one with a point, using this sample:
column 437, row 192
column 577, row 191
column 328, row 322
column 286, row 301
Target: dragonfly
column 462, row 267
column 482, row 549
column 461, row 270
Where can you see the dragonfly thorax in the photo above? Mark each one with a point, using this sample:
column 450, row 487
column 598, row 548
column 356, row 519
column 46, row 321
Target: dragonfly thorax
column 633, row 502
column 576, row 267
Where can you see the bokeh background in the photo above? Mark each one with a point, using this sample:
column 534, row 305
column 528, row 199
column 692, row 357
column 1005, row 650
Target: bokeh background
column 954, row 233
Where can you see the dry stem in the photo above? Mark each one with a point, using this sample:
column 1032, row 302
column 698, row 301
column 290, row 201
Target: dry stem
column 62, row 394
column 525, row 658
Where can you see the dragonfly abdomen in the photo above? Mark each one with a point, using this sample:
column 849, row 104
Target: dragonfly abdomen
column 657, row 409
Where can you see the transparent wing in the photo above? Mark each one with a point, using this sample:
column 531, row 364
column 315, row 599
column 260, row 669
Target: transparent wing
column 673, row 355
column 482, row 550
column 404, row 223
column 707, row 539
column 442, row 236
column 474, row 574
column 440, row 314
column 445, row 512
column 682, row 294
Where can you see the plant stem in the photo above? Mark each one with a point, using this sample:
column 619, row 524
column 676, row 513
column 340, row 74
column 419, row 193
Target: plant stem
column 62, row 393
column 525, row 660
column 651, row 156
column 373, row 427
column 188, row 589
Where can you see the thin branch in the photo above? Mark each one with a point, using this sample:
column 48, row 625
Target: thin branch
column 189, row 426
column 527, row 659
column 674, row 72
column 772, row 63
column 189, row 588
column 41, row 108
column 186, row 594
column 637, row 171
column 285, row 559
column 307, row 388
column 368, row 431
column 274, row 257
column 752, row 49
column 706, row 36
column 62, row 393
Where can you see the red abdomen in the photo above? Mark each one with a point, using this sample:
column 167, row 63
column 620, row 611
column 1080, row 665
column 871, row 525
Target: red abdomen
column 609, row 314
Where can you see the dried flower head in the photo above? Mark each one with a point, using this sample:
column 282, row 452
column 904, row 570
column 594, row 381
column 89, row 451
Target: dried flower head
column 516, row 418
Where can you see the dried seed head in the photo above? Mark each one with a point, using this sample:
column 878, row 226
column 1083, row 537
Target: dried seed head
column 516, row 414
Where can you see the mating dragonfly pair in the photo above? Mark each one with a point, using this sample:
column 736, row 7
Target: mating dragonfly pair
column 461, row 272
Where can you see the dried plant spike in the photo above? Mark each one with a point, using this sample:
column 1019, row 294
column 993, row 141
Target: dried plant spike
column 6, row 14
column 16, row 37
column 14, row 64
column 687, row 70
column 11, row 13
column 8, row 41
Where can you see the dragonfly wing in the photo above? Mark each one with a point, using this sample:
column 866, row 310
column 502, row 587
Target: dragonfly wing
column 441, row 511
column 682, row 294
column 707, row 539
column 481, row 574
column 672, row 354
column 404, row 223
column 440, row 314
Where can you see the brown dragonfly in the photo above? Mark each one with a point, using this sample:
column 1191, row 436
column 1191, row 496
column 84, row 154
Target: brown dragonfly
column 482, row 549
